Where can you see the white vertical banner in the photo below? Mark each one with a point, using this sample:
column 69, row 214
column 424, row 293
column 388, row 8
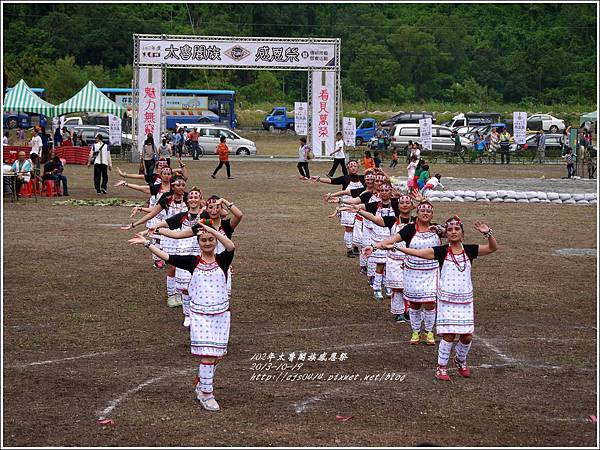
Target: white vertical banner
column 520, row 127
column 114, row 130
column 55, row 124
column 61, row 122
column 425, row 131
column 149, row 105
column 323, row 113
column 349, row 131
column 301, row 118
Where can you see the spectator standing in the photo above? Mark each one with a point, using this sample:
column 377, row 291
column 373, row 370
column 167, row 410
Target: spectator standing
column 410, row 171
column 570, row 160
column 376, row 160
column 494, row 143
column 407, row 150
column 66, row 136
column 223, row 152
column 564, row 140
column 20, row 134
column 164, row 150
column 394, row 161
column 57, row 138
column 505, row 146
column 303, row 159
column 100, row 157
column 540, row 153
column 458, row 150
column 193, row 138
column 176, row 139
column 382, row 136
column 5, row 138
column 423, row 176
column 36, row 148
column 339, row 157
column 45, row 147
column 150, row 154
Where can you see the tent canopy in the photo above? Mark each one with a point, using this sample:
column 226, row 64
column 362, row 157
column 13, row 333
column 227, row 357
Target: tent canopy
column 589, row 117
column 90, row 99
column 22, row 99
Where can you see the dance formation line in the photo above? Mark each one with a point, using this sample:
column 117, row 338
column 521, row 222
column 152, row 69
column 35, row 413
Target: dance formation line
column 429, row 284
column 399, row 253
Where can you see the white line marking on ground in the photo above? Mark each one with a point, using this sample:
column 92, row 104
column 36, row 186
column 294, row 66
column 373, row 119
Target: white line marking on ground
column 503, row 356
column 110, row 224
column 53, row 361
column 331, row 327
column 112, row 405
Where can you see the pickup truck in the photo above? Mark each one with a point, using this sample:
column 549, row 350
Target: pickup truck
column 365, row 130
column 278, row 119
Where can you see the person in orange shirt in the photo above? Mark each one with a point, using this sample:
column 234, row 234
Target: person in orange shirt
column 368, row 161
column 223, row 152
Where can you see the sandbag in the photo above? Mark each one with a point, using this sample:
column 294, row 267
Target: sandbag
column 569, row 201
column 564, row 197
column 449, row 194
column 497, row 200
column 445, row 199
column 542, row 196
column 552, row 196
column 511, row 194
column 531, row 194
column 534, row 200
column 521, row 196
column 492, row 195
column 470, row 194
column 434, row 199
column 593, row 201
column 458, row 199
column 589, row 196
column 434, row 194
column 578, row 197
column 480, row 194
column 558, row 201
column 469, row 199
column 522, row 200
column 510, row 200
column 502, row 193
column 459, row 193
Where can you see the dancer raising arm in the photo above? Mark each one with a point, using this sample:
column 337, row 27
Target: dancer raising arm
column 420, row 275
column 455, row 293
column 209, row 303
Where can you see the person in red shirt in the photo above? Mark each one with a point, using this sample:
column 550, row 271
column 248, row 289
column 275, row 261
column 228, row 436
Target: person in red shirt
column 223, row 152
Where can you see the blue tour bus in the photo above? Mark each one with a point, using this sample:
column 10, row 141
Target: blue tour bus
column 14, row 119
column 188, row 105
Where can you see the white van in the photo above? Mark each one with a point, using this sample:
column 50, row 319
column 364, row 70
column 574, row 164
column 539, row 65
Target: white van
column 441, row 138
column 210, row 136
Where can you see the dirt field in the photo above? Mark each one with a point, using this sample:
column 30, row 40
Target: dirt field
column 87, row 333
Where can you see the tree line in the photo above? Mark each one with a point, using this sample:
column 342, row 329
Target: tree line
column 395, row 53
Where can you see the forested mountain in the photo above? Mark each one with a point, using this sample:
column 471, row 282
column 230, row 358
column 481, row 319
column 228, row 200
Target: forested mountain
column 397, row 52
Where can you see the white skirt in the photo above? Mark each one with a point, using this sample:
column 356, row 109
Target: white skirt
column 169, row 245
column 420, row 282
column 394, row 271
column 455, row 318
column 209, row 333
column 397, row 303
column 357, row 233
column 347, row 218
column 182, row 279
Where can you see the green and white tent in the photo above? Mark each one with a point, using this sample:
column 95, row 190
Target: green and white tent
column 90, row 99
column 22, row 99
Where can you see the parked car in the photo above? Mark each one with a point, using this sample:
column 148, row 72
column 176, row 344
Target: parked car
column 278, row 119
column 207, row 117
column 441, row 138
column 409, row 117
column 473, row 119
column 553, row 143
column 548, row 123
column 365, row 130
column 210, row 136
column 88, row 133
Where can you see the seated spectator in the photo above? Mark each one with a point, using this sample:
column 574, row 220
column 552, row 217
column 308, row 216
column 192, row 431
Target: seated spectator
column 432, row 184
column 53, row 170
column 23, row 168
column 57, row 138
column 423, row 177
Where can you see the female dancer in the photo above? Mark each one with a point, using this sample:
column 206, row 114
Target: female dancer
column 455, row 293
column 351, row 181
column 209, row 304
column 183, row 221
column 172, row 202
column 158, row 184
column 420, row 275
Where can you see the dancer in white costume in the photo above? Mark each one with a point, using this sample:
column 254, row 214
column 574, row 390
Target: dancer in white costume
column 351, row 181
column 455, row 292
column 383, row 216
column 420, row 275
column 209, row 303
column 157, row 185
column 172, row 202
column 183, row 221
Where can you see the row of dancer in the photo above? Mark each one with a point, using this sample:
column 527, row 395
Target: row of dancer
column 193, row 237
column 431, row 281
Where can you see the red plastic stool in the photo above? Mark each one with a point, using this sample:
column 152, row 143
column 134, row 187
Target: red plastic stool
column 25, row 190
column 50, row 188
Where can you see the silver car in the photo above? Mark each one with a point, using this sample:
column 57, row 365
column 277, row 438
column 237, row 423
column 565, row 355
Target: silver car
column 441, row 138
column 210, row 136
